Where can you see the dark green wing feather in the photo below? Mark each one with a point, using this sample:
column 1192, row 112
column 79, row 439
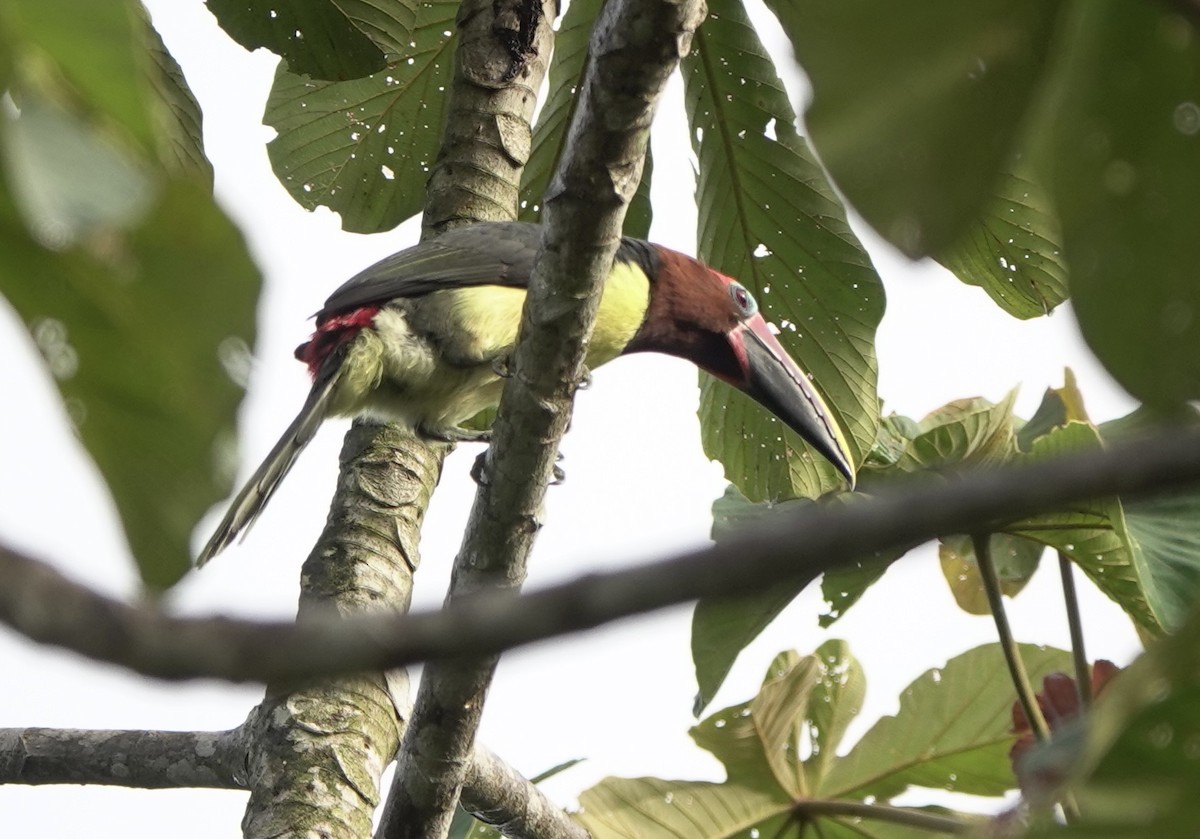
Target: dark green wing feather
column 488, row 253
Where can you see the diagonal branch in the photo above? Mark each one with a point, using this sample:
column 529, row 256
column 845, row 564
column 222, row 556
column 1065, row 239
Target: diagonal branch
column 636, row 45
column 47, row 607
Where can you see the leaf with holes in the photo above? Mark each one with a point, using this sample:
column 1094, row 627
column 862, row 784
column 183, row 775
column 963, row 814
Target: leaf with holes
column 916, row 136
column 1013, row 251
column 317, row 38
column 363, row 148
column 768, row 217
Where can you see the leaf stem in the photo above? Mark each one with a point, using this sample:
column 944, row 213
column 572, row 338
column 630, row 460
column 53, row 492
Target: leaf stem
column 884, row 813
column 1016, row 667
column 1083, row 679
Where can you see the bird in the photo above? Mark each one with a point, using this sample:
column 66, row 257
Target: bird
column 421, row 338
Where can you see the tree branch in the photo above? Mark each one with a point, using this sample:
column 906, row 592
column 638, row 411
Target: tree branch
column 136, row 759
column 495, row 792
column 43, row 605
column 315, row 752
column 635, row 47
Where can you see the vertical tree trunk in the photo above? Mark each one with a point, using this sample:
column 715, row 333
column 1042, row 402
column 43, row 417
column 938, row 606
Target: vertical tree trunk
column 319, row 750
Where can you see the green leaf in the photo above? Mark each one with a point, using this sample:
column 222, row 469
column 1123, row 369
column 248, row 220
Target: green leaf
column 1092, row 533
column 144, row 331
column 363, row 148
column 68, row 180
column 1058, row 407
column 1013, row 251
column 94, row 50
column 844, row 587
column 952, row 730
column 549, row 135
column 768, row 217
column 180, row 122
column 1125, row 146
column 1015, row 559
column 650, row 808
column 805, row 701
column 970, row 432
column 916, row 136
column 389, row 23
column 758, row 742
column 1165, row 536
column 723, row 627
column 837, row 698
column 316, row 38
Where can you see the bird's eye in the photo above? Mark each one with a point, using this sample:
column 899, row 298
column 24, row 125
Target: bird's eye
column 743, row 299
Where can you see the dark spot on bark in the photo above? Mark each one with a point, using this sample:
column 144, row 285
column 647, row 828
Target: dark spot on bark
column 515, row 26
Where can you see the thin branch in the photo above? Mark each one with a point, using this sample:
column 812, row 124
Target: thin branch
column 495, row 792
column 135, row 759
column 42, row 604
column 932, row 822
column 1012, row 655
column 1083, row 677
column 636, row 45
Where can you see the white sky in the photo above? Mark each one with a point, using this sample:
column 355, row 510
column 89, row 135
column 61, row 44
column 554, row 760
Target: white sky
column 638, row 487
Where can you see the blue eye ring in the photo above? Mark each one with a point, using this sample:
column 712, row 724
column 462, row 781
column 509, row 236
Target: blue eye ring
column 743, row 299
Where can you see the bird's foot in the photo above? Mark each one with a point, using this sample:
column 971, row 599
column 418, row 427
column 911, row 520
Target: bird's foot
column 502, row 366
column 454, row 434
column 557, row 474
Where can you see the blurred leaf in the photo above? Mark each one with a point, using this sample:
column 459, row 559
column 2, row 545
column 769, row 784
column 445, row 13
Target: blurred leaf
column 952, row 731
column 180, row 122
column 316, row 38
column 966, row 431
column 145, row 332
column 768, row 217
column 1013, row 250
column 1015, row 559
column 363, row 148
column 565, row 78
column 1125, row 146
column 68, row 179
column 1142, row 769
column 917, row 136
column 1165, row 536
column 96, row 49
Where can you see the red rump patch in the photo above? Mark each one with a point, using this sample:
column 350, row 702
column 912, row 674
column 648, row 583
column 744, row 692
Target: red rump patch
column 332, row 332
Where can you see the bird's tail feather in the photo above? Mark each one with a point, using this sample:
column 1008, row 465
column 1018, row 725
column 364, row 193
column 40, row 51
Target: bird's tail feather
column 258, row 490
